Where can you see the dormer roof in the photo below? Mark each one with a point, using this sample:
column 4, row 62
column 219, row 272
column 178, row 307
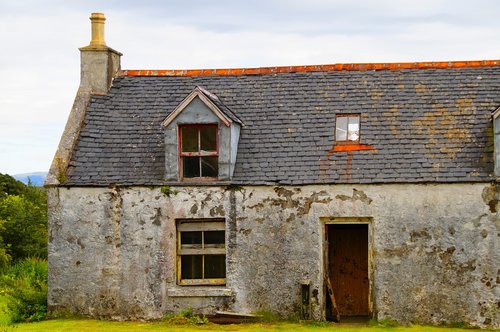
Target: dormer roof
column 496, row 113
column 211, row 101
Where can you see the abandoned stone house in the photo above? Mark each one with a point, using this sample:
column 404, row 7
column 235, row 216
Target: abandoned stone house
column 242, row 190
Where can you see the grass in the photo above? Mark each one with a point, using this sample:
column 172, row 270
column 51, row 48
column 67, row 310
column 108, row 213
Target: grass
column 89, row 325
column 23, row 291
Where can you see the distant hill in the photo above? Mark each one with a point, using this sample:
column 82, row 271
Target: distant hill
column 36, row 178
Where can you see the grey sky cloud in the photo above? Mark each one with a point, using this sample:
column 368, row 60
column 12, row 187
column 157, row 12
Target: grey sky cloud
column 39, row 67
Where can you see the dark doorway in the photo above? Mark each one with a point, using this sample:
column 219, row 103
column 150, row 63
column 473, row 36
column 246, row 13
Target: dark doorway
column 347, row 269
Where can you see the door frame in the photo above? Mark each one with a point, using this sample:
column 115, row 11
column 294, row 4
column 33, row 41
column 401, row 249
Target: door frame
column 325, row 221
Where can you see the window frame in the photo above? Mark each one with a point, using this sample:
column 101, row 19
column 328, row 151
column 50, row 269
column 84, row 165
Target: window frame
column 199, row 153
column 348, row 141
column 197, row 225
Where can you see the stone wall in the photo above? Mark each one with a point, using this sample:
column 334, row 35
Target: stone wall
column 434, row 249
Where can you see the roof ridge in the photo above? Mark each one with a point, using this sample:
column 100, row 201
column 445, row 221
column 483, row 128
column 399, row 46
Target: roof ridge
column 310, row 68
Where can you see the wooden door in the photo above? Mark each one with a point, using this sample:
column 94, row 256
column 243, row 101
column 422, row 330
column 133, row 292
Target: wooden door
column 348, row 267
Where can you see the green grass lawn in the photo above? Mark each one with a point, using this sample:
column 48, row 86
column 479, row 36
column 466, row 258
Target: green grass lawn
column 89, row 325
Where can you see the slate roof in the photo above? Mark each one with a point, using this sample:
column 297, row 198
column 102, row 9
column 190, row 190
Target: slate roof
column 424, row 125
column 220, row 105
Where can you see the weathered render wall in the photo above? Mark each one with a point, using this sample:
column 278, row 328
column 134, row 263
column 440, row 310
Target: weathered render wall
column 435, row 252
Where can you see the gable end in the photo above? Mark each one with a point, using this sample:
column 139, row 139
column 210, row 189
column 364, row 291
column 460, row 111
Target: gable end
column 197, row 92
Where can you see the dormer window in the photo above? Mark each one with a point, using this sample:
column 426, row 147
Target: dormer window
column 199, row 151
column 201, row 139
column 347, row 128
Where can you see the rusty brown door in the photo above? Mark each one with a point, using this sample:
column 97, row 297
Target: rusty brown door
column 348, row 267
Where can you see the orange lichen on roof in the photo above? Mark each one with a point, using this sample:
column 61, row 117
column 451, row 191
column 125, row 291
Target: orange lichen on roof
column 312, row 68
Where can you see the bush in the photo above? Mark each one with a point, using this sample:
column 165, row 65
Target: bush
column 24, row 287
column 185, row 316
column 23, row 225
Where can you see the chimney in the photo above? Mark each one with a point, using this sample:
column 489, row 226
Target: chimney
column 99, row 63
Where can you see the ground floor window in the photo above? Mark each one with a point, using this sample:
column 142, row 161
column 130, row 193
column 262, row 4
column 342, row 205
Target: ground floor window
column 201, row 252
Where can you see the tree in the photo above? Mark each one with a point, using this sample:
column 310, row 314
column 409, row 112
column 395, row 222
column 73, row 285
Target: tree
column 23, row 220
column 10, row 186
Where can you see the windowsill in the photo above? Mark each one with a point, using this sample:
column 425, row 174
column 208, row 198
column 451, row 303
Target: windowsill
column 197, row 183
column 346, row 146
column 199, row 292
column 347, row 142
column 200, row 179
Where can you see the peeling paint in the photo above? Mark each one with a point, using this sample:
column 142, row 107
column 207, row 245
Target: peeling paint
column 433, row 248
column 490, row 196
column 357, row 195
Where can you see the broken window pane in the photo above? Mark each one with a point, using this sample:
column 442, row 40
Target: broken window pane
column 215, row 266
column 191, row 167
column 353, row 128
column 199, row 151
column 189, row 139
column 209, row 166
column 215, row 239
column 191, row 240
column 191, row 267
column 208, row 138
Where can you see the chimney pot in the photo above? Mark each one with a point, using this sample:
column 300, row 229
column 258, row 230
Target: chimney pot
column 97, row 20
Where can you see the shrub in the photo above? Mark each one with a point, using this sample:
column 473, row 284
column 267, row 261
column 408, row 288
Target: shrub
column 24, row 286
column 23, row 225
column 185, row 316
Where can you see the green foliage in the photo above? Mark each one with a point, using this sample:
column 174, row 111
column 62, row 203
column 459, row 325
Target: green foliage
column 24, row 288
column 184, row 317
column 385, row 323
column 62, row 313
column 166, row 190
column 61, row 171
column 267, row 316
column 10, row 186
column 23, row 234
column 23, row 223
column 234, row 187
column 318, row 323
column 461, row 325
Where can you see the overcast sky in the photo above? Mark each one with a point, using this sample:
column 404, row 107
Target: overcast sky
column 39, row 62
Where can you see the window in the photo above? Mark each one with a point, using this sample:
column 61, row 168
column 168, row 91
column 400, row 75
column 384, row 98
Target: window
column 201, row 252
column 347, row 128
column 199, row 151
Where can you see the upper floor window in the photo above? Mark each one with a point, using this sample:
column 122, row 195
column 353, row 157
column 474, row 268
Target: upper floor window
column 347, row 128
column 199, row 151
